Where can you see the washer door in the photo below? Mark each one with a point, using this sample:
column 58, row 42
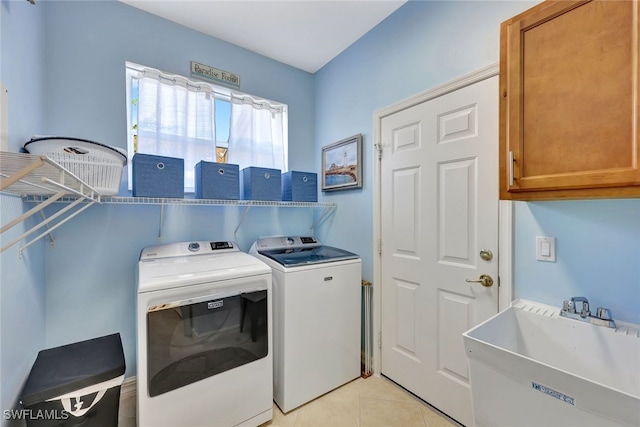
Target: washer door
column 198, row 338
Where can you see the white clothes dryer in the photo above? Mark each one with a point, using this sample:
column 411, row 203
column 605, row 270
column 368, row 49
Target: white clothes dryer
column 317, row 317
column 204, row 336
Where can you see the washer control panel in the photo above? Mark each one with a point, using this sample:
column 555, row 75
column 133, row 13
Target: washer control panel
column 267, row 243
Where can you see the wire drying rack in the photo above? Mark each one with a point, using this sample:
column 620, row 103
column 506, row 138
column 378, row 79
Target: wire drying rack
column 33, row 175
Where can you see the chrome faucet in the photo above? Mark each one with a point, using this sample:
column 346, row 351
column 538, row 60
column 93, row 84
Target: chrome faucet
column 571, row 306
column 602, row 317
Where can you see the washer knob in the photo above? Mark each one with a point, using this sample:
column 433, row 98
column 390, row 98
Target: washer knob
column 290, row 241
column 194, row 246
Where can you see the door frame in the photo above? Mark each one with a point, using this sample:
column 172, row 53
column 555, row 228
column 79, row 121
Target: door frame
column 505, row 215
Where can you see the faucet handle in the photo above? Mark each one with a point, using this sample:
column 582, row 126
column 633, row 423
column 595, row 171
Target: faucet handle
column 568, row 306
column 603, row 313
column 585, row 306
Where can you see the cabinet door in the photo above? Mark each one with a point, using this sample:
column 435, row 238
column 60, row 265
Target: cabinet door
column 569, row 98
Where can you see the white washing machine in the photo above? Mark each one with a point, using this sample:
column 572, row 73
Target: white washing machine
column 204, row 336
column 316, row 306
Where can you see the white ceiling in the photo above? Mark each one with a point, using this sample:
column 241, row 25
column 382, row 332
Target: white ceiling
column 305, row 34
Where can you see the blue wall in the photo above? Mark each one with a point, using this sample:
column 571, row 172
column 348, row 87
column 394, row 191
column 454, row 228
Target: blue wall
column 72, row 83
column 425, row 44
column 597, row 254
column 87, row 46
column 22, row 281
column 422, row 45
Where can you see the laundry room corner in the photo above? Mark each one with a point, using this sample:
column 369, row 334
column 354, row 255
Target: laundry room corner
column 86, row 279
column 387, row 254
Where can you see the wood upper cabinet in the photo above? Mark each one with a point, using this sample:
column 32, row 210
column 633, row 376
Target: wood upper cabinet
column 569, row 101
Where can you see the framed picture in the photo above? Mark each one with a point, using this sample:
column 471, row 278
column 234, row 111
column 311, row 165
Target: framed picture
column 342, row 164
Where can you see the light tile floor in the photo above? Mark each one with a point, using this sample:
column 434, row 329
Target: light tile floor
column 127, row 410
column 371, row 402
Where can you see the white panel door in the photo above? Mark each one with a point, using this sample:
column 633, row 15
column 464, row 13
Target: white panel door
column 439, row 198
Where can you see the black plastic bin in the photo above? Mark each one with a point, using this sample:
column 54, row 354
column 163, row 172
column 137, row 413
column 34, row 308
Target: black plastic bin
column 75, row 384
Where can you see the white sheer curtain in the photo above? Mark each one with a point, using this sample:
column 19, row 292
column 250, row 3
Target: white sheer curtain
column 257, row 134
column 176, row 119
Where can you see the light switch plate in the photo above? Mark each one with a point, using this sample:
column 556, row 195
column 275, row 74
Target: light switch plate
column 545, row 249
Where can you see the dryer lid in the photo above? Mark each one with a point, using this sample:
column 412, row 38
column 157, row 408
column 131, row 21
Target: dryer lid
column 190, row 263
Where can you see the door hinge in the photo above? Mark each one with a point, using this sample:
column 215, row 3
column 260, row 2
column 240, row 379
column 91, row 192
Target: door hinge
column 379, row 340
column 379, row 246
column 379, row 150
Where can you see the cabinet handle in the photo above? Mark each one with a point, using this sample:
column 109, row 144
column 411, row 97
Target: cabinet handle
column 511, row 177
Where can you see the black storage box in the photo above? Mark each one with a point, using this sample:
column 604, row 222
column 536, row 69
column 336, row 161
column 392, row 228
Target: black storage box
column 75, row 384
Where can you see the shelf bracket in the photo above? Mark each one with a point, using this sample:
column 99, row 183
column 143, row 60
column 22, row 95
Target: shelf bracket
column 51, row 241
column 31, row 211
column 328, row 211
column 161, row 222
column 28, row 174
column 43, row 223
column 244, row 215
column 49, row 230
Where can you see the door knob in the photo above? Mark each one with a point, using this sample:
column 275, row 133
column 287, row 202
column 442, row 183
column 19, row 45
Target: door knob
column 486, row 254
column 485, row 280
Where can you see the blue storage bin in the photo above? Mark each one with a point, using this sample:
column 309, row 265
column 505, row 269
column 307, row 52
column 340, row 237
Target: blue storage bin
column 260, row 184
column 299, row 186
column 158, row 176
column 217, row 181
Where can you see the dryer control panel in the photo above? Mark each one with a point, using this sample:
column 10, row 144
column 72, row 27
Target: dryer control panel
column 186, row 249
column 216, row 246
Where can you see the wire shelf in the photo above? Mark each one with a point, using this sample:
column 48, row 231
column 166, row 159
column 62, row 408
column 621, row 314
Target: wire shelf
column 118, row 200
column 30, row 174
column 40, row 180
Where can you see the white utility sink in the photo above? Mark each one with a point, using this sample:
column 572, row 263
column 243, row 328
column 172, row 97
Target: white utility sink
column 530, row 367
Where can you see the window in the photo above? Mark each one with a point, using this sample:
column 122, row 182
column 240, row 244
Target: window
column 223, row 121
column 170, row 115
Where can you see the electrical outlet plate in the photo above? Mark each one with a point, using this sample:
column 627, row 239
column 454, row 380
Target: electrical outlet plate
column 545, row 249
